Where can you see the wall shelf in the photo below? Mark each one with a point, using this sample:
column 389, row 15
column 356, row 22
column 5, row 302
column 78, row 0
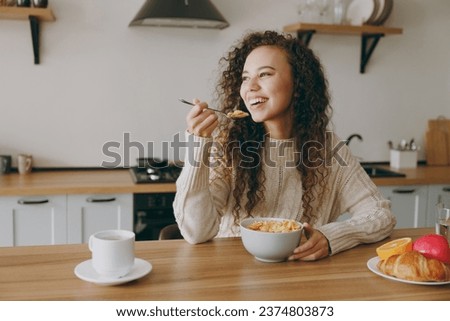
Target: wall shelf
column 370, row 35
column 35, row 16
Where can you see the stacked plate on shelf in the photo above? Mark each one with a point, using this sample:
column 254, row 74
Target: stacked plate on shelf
column 369, row 12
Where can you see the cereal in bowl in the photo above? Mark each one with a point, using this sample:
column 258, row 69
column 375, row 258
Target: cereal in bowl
column 275, row 226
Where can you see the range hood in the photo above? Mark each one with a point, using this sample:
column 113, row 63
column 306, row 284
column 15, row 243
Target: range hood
column 179, row 13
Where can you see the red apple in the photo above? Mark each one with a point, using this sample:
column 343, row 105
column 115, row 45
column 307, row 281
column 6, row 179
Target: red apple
column 433, row 246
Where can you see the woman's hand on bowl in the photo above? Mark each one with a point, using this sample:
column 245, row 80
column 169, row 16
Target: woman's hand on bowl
column 315, row 248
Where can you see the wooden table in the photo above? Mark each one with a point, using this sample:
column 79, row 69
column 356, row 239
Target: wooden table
column 217, row 270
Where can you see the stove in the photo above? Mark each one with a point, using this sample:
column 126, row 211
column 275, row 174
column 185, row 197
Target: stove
column 153, row 211
column 151, row 170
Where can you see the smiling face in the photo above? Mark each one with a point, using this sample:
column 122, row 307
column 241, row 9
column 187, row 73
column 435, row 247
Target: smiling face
column 267, row 89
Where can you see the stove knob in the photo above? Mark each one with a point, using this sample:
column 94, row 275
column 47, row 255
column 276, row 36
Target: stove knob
column 154, row 177
column 151, row 171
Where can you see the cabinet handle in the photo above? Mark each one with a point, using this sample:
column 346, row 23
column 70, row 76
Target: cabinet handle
column 446, row 189
column 100, row 200
column 404, row 191
column 32, row 202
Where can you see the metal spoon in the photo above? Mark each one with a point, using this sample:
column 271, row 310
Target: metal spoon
column 229, row 115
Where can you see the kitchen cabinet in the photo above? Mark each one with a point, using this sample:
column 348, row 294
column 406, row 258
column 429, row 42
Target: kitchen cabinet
column 436, row 194
column 35, row 16
column 61, row 219
column 408, row 204
column 37, row 220
column 370, row 35
column 91, row 213
column 414, row 205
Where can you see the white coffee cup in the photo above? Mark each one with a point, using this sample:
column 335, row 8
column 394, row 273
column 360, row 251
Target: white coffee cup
column 112, row 252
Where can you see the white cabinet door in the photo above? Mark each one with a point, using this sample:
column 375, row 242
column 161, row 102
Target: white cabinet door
column 88, row 214
column 409, row 204
column 436, row 194
column 33, row 220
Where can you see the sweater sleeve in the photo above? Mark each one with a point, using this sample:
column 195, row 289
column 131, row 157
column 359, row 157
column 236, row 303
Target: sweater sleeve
column 354, row 192
column 197, row 210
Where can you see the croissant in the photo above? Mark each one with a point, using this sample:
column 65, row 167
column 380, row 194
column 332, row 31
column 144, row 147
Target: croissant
column 413, row 266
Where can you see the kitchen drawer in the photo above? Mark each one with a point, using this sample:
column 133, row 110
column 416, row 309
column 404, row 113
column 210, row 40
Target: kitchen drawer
column 88, row 214
column 33, row 220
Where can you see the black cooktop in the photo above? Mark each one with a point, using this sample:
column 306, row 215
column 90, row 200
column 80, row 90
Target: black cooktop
column 150, row 170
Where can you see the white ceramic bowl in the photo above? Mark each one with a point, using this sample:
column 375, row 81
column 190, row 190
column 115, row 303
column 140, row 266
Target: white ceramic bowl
column 269, row 246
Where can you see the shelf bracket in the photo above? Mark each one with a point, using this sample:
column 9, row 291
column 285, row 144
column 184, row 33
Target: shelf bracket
column 34, row 24
column 305, row 36
column 368, row 44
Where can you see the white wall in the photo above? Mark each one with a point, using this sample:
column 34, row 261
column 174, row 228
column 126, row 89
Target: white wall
column 99, row 78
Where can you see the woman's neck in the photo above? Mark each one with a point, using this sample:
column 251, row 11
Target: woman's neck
column 278, row 131
column 280, row 127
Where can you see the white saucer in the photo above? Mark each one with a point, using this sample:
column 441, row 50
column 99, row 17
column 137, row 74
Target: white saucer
column 86, row 272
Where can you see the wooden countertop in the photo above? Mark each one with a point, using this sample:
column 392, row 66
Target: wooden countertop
column 120, row 181
column 422, row 175
column 77, row 182
column 217, row 270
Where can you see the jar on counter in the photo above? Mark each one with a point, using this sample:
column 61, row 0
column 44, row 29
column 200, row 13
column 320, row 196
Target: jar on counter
column 40, row 3
column 23, row 3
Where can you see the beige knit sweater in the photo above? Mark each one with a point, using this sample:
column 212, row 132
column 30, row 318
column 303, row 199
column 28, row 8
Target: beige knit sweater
column 203, row 206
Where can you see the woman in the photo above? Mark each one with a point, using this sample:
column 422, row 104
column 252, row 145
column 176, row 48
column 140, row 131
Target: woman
column 282, row 161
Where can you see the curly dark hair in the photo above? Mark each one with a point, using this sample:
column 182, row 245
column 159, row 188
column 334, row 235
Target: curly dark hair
column 312, row 112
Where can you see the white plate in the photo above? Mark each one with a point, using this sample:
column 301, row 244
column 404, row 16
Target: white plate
column 86, row 272
column 388, row 5
column 377, row 13
column 372, row 265
column 359, row 11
